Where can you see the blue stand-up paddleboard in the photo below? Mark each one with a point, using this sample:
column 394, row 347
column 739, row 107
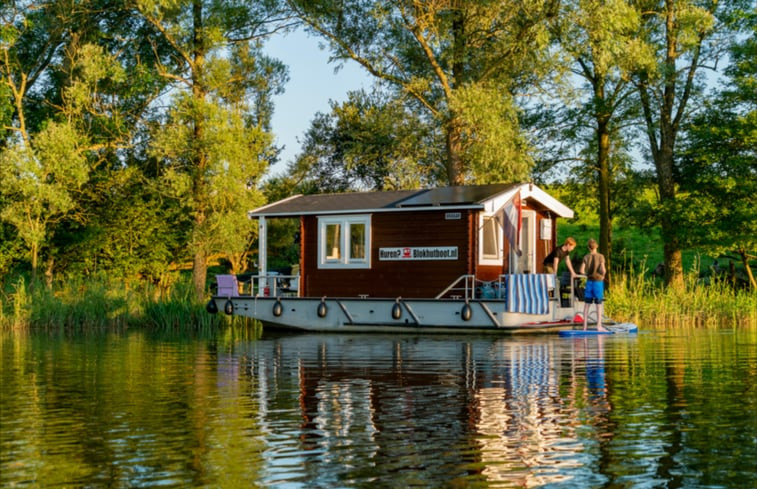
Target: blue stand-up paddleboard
column 627, row 328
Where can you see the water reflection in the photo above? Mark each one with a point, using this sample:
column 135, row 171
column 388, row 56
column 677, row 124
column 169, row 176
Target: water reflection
column 289, row 411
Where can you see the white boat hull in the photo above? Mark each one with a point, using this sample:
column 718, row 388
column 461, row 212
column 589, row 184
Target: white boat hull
column 396, row 315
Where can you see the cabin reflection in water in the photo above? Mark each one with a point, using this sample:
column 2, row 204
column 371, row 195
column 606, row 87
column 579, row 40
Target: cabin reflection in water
column 513, row 403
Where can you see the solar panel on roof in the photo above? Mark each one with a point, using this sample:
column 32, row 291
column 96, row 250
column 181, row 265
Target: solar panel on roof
column 359, row 201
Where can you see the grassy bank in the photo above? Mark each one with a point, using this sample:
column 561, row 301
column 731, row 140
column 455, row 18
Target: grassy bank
column 80, row 305
column 86, row 304
column 635, row 297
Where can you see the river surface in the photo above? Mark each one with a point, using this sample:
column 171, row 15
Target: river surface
column 672, row 409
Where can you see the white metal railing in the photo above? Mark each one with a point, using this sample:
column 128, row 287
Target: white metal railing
column 272, row 285
column 573, row 288
column 468, row 287
column 571, row 291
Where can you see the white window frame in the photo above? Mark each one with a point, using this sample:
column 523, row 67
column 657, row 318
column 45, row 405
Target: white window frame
column 345, row 259
column 500, row 235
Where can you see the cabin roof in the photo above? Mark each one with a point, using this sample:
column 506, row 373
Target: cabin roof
column 461, row 197
column 298, row 205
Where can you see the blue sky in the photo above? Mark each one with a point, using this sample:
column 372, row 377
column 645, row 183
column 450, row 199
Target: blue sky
column 312, row 83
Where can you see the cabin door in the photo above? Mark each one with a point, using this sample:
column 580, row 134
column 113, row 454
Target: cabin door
column 526, row 262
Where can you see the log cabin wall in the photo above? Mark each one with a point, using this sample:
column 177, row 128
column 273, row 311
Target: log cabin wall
column 411, row 278
column 395, row 278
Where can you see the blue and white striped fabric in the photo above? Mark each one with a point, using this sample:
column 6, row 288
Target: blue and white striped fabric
column 528, row 292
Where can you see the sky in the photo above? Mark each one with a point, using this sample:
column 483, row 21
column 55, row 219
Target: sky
column 312, row 84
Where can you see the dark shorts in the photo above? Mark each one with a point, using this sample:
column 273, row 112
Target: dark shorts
column 595, row 292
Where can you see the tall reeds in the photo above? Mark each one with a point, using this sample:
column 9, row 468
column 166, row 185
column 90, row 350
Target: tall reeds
column 636, row 297
column 99, row 302
column 93, row 303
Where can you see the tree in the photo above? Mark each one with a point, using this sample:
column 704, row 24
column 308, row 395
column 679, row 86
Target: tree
column 214, row 141
column 685, row 36
column 369, row 142
column 39, row 180
column 44, row 165
column 597, row 37
column 719, row 164
column 78, row 65
column 131, row 231
column 461, row 63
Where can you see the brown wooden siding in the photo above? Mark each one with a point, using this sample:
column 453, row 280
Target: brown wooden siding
column 425, row 278
column 489, row 273
column 408, row 278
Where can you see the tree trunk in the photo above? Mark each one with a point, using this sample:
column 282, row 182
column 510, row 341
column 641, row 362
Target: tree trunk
column 34, row 249
column 603, row 181
column 49, row 272
column 199, row 190
column 669, row 226
column 454, row 166
column 662, row 132
column 199, row 273
column 745, row 260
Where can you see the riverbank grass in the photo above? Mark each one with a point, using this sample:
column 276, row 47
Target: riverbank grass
column 78, row 304
column 86, row 304
column 634, row 296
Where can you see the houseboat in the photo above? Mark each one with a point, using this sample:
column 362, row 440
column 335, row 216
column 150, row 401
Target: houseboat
column 463, row 259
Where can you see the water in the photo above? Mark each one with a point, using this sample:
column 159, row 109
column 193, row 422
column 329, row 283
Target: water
column 659, row 409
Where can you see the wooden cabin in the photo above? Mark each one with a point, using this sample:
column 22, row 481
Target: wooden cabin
column 415, row 243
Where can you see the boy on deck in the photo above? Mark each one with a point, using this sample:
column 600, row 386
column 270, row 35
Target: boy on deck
column 593, row 266
column 552, row 261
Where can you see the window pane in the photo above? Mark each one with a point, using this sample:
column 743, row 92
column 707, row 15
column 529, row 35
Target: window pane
column 491, row 247
column 357, row 241
column 333, row 241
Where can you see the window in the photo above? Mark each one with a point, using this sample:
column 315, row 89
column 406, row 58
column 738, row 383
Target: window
column 343, row 242
column 357, row 241
column 333, row 242
column 490, row 239
column 491, row 244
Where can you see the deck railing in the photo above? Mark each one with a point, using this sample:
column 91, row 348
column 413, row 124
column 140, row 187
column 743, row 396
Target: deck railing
column 271, row 285
column 467, row 289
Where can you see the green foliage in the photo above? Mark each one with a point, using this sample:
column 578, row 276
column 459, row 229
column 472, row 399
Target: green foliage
column 719, row 164
column 99, row 302
column 634, row 297
column 130, row 232
column 234, row 158
column 134, row 140
column 10, row 250
column 39, row 183
column 176, row 310
column 492, row 140
column 283, row 244
column 6, row 108
column 601, row 33
column 442, row 58
column 213, row 145
column 633, row 248
column 368, row 142
column 685, row 37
